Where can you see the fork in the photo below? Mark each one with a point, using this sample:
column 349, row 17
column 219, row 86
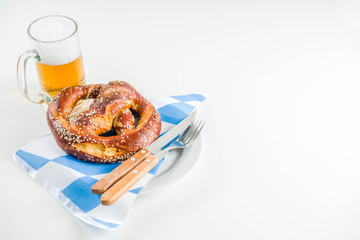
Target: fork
column 119, row 188
column 187, row 138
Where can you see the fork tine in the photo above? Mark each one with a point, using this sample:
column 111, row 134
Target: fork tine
column 195, row 132
column 202, row 123
column 189, row 131
column 186, row 132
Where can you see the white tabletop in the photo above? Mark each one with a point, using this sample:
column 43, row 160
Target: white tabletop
column 281, row 148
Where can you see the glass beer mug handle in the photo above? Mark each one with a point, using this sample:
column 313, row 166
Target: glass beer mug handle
column 42, row 97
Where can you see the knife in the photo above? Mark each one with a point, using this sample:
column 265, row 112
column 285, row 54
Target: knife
column 137, row 159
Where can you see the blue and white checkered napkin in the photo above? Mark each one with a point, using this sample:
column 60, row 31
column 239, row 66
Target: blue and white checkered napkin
column 69, row 180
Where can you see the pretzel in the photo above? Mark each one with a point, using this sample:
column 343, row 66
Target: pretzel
column 112, row 109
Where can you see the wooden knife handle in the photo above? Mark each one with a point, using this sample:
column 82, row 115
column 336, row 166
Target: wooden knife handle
column 129, row 180
column 106, row 182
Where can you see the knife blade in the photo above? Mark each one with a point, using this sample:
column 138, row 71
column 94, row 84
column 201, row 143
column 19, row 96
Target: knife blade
column 116, row 174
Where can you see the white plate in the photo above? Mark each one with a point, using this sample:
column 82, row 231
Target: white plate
column 177, row 164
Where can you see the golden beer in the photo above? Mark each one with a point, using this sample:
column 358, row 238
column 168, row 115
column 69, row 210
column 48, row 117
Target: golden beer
column 57, row 54
column 53, row 78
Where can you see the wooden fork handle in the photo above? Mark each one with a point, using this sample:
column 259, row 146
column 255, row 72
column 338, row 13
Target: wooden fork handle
column 128, row 181
column 106, row 182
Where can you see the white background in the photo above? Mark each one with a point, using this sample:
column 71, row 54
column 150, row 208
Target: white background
column 281, row 148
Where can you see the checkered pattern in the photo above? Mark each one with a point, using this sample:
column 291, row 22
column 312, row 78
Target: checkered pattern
column 69, row 180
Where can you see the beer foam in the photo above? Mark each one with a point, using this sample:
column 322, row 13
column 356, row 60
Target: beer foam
column 55, row 39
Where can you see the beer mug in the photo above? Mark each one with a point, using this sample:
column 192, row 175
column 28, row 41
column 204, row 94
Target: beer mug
column 57, row 55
